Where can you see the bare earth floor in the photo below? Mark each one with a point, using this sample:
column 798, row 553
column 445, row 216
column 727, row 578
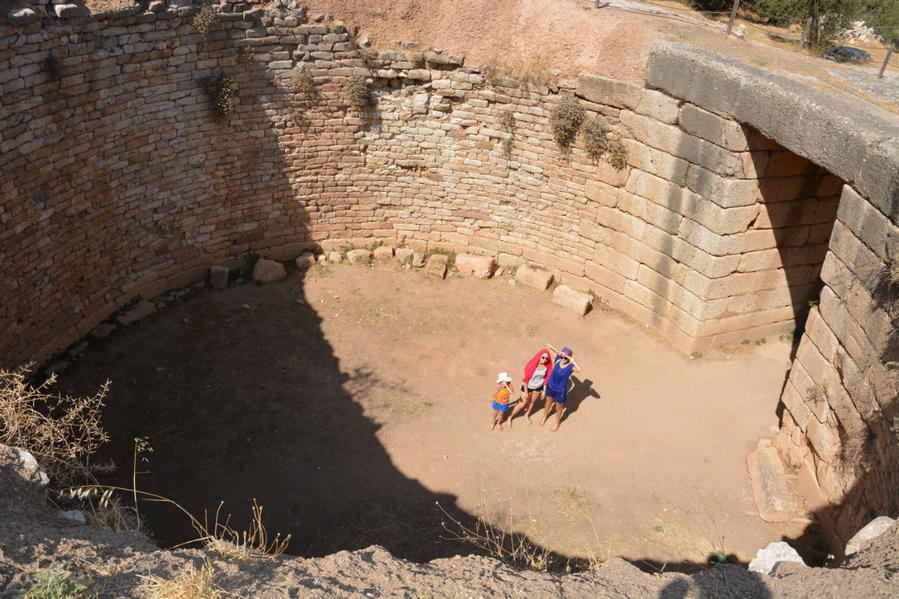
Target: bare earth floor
column 352, row 400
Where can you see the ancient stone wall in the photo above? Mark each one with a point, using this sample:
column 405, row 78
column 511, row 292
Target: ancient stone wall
column 118, row 182
column 840, row 423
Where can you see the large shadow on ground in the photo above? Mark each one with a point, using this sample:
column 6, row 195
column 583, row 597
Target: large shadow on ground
column 242, row 398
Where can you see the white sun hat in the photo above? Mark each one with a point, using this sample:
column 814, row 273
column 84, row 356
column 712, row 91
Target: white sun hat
column 503, row 376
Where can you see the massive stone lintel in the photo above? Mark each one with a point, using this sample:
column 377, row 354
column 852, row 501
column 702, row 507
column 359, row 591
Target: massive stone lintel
column 853, row 139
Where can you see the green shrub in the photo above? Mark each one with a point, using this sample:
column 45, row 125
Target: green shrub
column 356, row 90
column 205, row 20
column 566, row 118
column 595, row 137
column 617, row 154
column 507, row 144
column 54, row 583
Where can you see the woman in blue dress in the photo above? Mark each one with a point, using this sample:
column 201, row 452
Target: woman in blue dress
column 557, row 383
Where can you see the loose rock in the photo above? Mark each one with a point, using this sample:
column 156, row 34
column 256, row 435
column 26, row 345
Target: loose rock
column 767, row 559
column 266, row 271
column 477, row 266
column 305, row 260
column 534, row 276
column 871, row 530
column 567, row 297
column 218, row 277
column 358, row 256
column 436, row 266
column 140, row 311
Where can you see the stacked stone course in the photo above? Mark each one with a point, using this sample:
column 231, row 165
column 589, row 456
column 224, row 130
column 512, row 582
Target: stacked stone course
column 117, row 183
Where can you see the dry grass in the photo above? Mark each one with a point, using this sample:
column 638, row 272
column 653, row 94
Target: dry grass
column 302, row 82
column 513, row 548
column 59, row 430
column 190, row 583
column 251, row 546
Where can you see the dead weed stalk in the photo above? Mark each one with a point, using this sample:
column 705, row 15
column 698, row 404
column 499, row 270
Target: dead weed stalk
column 59, row 430
column 512, row 548
column 189, row 583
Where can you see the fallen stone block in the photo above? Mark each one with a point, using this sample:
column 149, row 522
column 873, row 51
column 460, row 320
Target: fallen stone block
column 266, row 271
column 567, row 297
column 139, row 311
column 218, row 277
column 404, row 255
column 359, row 256
column 767, row 559
column 535, row 277
column 476, row 266
column 383, row 253
column 102, row 331
column 773, row 499
column 871, row 530
column 418, row 259
column 335, row 257
column 305, row 260
column 436, row 266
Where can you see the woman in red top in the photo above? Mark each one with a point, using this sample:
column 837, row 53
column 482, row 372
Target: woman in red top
column 536, row 372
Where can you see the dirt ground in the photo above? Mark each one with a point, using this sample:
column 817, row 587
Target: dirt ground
column 350, row 401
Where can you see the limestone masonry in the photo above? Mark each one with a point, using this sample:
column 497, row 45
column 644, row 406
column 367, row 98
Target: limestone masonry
column 746, row 198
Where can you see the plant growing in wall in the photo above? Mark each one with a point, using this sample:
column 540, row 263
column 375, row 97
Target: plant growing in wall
column 51, row 66
column 219, row 89
column 617, row 156
column 507, row 122
column 205, row 20
column 565, row 119
column 302, row 82
column 357, row 92
column 596, row 139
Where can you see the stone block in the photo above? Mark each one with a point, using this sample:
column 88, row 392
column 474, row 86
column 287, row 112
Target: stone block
column 824, row 440
column 418, row 259
column 570, row 299
column 616, row 261
column 70, row 11
column 137, row 312
column 768, row 559
column 725, row 192
column 726, row 133
column 477, row 266
column 600, row 192
column 867, row 223
column 611, row 92
column 773, row 498
column 404, row 255
column 659, row 106
column 863, row 149
column 435, row 268
column 305, row 260
column 102, row 331
column 335, row 257
column 218, row 276
column 656, row 162
column 21, row 17
column 267, row 271
column 534, row 276
column 383, row 253
column 359, row 256
column 869, row 532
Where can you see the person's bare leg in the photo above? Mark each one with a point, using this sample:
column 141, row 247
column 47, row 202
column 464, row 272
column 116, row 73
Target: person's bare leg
column 519, row 406
column 532, row 401
column 559, row 409
column 549, row 404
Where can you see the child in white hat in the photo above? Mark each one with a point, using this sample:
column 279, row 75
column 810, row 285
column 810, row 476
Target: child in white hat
column 501, row 399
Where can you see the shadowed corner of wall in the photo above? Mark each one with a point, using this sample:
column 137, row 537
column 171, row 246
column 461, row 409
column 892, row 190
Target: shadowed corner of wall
column 873, row 457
